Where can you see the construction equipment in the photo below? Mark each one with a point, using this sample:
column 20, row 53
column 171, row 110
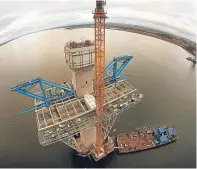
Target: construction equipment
column 81, row 113
column 99, row 27
column 113, row 70
column 48, row 92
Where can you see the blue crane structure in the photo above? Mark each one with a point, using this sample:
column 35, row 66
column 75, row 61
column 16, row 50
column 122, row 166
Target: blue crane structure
column 47, row 97
column 114, row 75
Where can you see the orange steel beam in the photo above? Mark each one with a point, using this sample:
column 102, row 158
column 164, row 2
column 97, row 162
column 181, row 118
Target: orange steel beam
column 99, row 26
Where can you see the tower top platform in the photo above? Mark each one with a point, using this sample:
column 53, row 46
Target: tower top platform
column 74, row 45
column 79, row 54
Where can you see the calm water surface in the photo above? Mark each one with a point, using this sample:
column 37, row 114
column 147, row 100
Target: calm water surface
column 159, row 70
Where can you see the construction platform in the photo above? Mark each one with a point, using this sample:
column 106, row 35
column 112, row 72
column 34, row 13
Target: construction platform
column 65, row 118
column 79, row 54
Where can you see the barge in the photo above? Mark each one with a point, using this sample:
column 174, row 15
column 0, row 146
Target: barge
column 147, row 139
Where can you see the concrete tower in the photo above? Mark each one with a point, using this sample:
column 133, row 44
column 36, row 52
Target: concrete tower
column 80, row 59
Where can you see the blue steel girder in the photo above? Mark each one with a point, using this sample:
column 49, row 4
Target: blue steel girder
column 25, row 89
column 124, row 60
column 32, row 108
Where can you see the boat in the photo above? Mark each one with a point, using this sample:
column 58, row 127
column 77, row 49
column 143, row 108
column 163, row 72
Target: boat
column 144, row 140
column 191, row 59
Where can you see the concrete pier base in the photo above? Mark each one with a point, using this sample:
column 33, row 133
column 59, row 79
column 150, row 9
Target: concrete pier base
column 88, row 136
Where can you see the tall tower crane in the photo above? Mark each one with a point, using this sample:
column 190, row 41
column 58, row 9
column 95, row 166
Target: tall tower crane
column 99, row 25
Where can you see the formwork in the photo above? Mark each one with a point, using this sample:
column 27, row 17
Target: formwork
column 79, row 54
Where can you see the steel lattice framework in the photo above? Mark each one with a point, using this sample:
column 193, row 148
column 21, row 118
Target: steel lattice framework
column 44, row 95
column 99, row 21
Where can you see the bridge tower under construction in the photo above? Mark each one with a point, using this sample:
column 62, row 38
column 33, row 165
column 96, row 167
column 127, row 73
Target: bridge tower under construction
column 80, row 57
column 82, row 112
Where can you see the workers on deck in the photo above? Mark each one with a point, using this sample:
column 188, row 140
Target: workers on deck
column 57, row 130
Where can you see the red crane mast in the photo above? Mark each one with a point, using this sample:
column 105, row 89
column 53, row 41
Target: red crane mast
column 99, row 25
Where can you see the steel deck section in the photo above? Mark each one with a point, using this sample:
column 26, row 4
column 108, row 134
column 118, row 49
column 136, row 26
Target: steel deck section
column 67, row 118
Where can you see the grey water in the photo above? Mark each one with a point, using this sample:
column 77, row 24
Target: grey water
column 159, row 70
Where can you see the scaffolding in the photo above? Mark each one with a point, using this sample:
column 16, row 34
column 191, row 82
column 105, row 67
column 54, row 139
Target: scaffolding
column 79, row 54
column 65, row 119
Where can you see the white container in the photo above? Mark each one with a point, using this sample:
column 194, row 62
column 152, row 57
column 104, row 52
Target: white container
column 90, row 101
